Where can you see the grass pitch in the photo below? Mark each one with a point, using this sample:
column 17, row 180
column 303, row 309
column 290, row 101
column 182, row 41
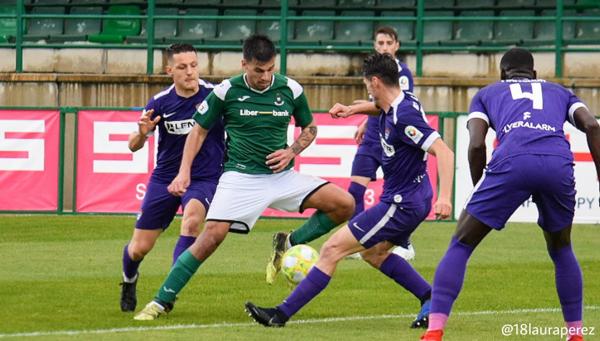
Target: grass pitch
column 59, row 277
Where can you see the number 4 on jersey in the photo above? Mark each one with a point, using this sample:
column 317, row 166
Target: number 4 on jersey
column 535, row 95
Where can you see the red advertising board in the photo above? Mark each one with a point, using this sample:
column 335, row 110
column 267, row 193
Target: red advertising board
column 110, row 178
column 29, row 158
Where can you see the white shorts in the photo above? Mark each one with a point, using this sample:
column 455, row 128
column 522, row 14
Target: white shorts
column 241, row 198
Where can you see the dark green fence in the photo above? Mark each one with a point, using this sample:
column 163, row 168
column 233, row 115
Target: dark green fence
column 419, row 48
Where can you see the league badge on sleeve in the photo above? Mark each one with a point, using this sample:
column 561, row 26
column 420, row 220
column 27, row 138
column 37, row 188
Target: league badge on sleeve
column 413, row 133
column 202, row 108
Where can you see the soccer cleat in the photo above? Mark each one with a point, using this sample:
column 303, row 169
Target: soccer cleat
column 274, row 265
column 432, row 335
column 406, row 251
column 152, row 311
column 422, row 320
column 128, row 295
column 268, row 317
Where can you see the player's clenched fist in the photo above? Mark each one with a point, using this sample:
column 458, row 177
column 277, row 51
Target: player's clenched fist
column 442, row 208
column 146, row 124
column 179, row 185
column 340, row 110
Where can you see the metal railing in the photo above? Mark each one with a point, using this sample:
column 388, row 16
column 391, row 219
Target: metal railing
column 284, row 45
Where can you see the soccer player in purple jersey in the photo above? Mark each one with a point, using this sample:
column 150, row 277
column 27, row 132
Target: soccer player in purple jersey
column 368, row 155
column 528, row 116
column 171, row 110
column 406, row 138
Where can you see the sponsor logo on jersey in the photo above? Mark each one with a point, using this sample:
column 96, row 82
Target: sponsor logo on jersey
column 526, row 115
column 413, row 133
column 202, row 108
column 169, row 115
column 243, row 98
column 523, row 124
column 246, row 112
column 179, row 127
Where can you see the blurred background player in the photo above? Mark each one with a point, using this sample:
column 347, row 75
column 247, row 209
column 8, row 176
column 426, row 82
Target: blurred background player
column 368, row 156
column 172, row 111
column 406, row 200
column 533, row 159
column 257, row 107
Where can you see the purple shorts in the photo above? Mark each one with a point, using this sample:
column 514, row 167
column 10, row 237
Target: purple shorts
column 387, row 222
column 366, row 161
column 159, row 206
column 548, row 179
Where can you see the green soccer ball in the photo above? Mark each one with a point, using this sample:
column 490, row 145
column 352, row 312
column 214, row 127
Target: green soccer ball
column 297, row 261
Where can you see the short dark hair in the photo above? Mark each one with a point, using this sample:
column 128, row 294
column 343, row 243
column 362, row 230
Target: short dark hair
column 387, row 30
column 174, row 49
column 258, row 47
column 517, row 62
column 383, row 66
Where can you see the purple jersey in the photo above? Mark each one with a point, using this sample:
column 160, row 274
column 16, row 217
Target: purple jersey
column 406, row 83
column 175, row 123
column 527, row 115
column 405, row 137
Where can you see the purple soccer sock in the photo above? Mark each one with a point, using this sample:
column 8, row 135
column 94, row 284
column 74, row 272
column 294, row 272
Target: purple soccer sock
column 182, row 244
column 569, row 283
column 358, row 193
column 130, row 266
column 449, row 276
column 309, row 288
column 398, row 269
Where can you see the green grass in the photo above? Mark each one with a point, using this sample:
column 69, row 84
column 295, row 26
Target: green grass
column 62, row 272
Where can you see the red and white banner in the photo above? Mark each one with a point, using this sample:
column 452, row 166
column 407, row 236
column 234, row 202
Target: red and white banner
column 586, row 179
column 29, row 158
column 330, row 157
column 110, row 178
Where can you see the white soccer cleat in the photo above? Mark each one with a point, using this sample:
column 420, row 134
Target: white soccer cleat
column 151, row 312
column 407, row 253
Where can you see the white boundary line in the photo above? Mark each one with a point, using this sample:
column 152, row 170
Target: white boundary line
column 250, row 324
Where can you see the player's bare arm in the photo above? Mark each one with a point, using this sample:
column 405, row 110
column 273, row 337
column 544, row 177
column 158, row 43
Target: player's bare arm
column 445, row 162
column 145, row 127
column 587, row 123
column 193, row 143
column 342, row 111
column 280, row 159
column 477, row 149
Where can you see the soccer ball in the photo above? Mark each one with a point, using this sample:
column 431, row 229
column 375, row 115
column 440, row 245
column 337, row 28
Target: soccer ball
column 297, row 261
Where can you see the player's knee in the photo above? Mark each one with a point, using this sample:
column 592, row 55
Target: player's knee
column 190, row 227
column 138, row 250
column 345, row 206
column 213, row 235
column 330, row 252
column 375, row 259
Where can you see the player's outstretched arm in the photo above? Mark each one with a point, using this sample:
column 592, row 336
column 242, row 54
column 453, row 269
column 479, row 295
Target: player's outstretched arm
column 145, row 127
column 477, row 149
column 340, row 110
column 193, row 143
column 587, row 123
column 445, row 162
column 280, row 159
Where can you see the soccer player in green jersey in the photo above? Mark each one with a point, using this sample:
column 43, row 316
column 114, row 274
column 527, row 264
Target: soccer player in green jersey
column 256, row 107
